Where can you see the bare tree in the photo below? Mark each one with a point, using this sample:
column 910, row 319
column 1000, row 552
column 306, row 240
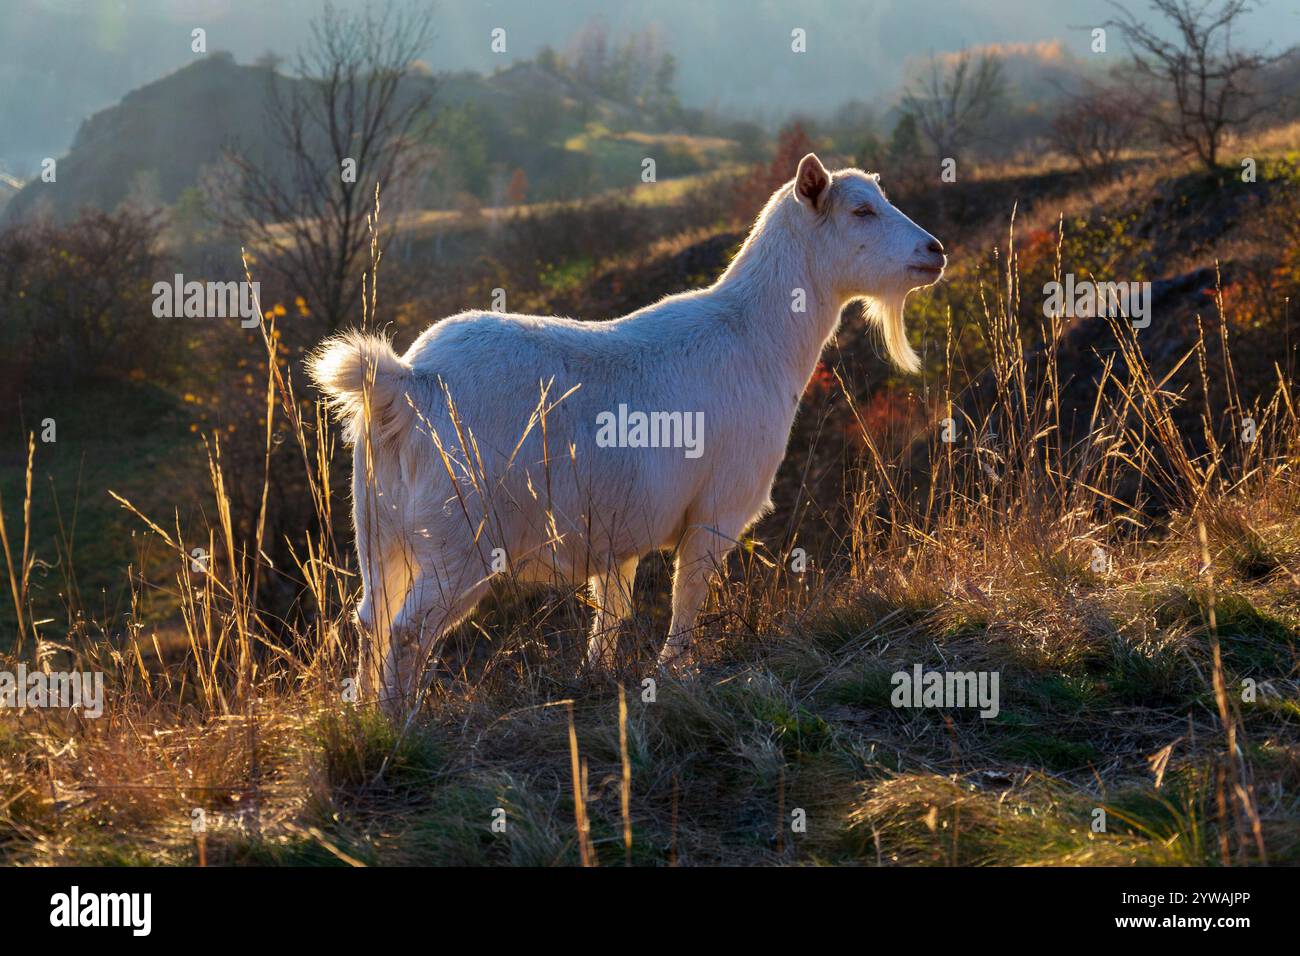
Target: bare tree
column 1210, row 81
column 349, row 118
column 1095, row 126
column 954, row 99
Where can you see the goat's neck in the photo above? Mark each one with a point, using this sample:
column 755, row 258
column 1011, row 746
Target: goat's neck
column 763, row 279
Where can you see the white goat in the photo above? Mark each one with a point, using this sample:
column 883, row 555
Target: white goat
column 459, row 470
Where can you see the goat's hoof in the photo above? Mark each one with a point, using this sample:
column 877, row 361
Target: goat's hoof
column 395, row 699
column 602, row 661
column 601, row 673
column 394, row 708
column 678, row 661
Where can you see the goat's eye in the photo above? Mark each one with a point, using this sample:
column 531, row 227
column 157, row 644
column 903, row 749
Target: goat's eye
column 863, row 212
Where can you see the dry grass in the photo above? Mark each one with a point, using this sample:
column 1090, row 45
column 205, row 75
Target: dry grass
column 1122, row 636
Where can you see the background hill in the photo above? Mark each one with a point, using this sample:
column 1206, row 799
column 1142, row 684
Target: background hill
column 59, row 64
column 566, row 141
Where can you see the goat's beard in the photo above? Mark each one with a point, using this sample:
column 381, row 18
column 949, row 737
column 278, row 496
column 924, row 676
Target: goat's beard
column 885, row 312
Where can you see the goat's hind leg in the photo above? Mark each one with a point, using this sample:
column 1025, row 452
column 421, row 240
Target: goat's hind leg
column 372, row 552
column 611, row 592
column 385, row 569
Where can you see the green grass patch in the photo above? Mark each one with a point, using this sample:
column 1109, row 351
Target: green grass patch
column 360, row 750
column 1040, row 749
column 131, row 438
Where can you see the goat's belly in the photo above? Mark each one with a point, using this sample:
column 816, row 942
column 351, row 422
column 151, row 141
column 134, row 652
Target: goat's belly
column 577, row 537
column 560, row 516
column 576, row 562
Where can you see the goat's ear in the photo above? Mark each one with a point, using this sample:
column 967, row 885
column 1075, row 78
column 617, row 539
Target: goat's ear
column 811, row 182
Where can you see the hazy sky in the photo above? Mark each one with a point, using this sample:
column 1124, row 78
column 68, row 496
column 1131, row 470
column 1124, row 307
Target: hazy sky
column 61, row 60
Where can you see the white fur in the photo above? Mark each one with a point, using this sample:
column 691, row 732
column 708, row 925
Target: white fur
column 465, row 397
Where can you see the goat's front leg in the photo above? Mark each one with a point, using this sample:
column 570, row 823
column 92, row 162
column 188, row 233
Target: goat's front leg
column 699, row 559
column 434, row 604
column 611, row 592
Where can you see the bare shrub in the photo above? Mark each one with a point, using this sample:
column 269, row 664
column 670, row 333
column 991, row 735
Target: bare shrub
column 1095, row 126
column 77, row 298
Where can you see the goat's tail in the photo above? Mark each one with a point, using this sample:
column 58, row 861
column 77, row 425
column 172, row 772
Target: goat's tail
column 365, row 383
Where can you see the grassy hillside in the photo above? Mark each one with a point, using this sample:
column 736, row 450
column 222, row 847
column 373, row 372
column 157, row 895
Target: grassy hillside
column 1099, row 536
column 130, row 437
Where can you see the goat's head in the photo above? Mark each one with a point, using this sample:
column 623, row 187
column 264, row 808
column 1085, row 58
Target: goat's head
column 865, row 247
